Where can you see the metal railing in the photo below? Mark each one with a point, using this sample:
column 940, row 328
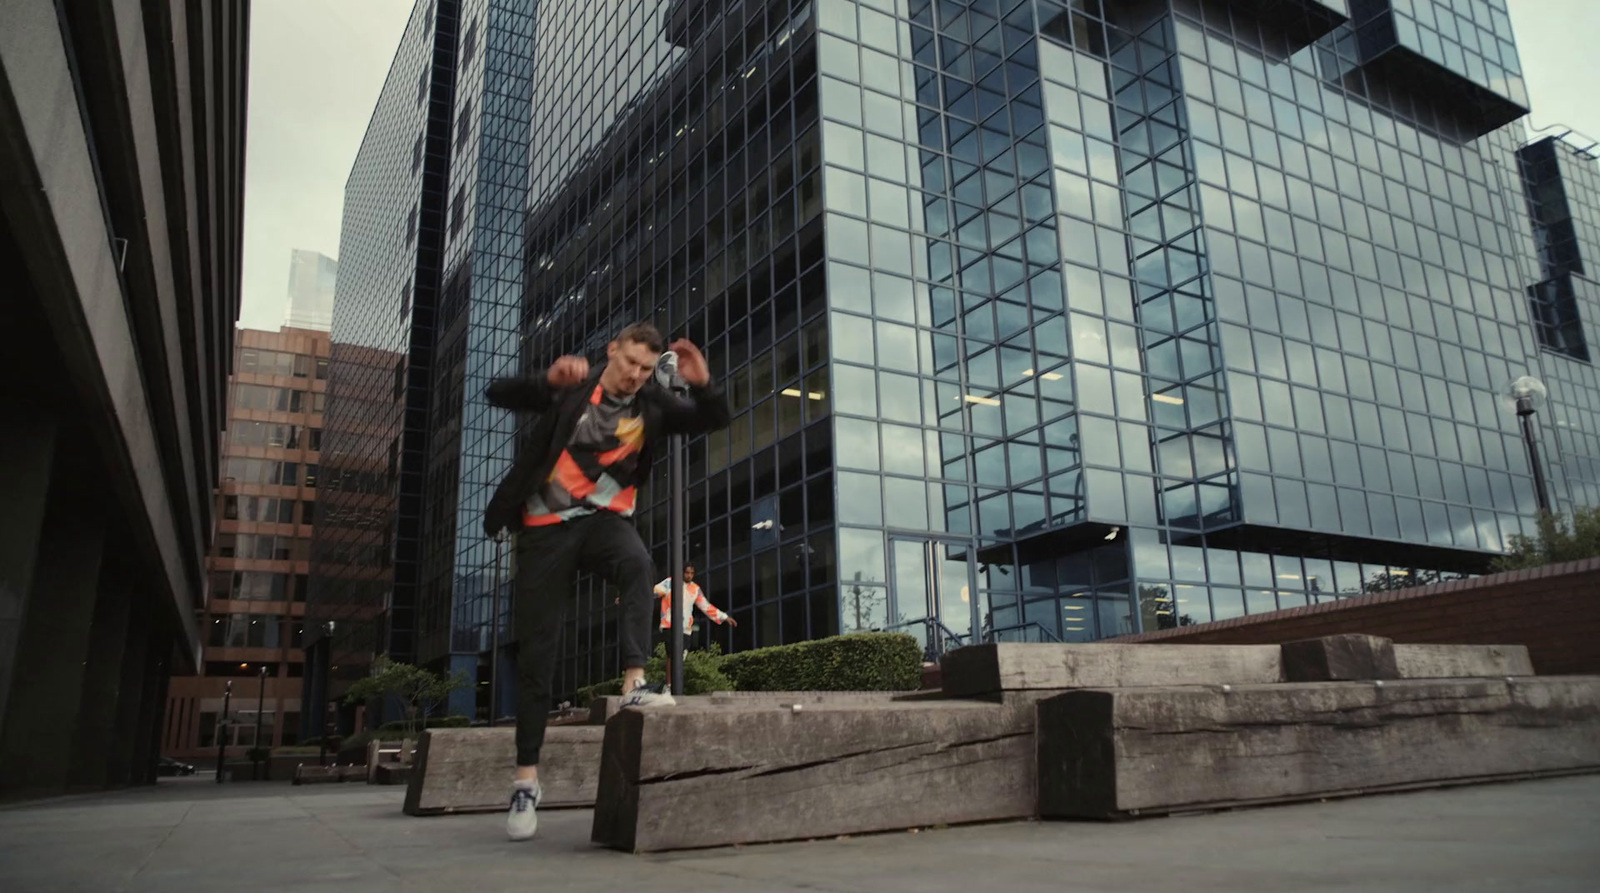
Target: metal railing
column 1004, row 633
column 937, row 638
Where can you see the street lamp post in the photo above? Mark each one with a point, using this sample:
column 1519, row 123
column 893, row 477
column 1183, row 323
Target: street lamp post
column 494, row 631
column 261, row 704
column 222, row 729
column 1529, row 394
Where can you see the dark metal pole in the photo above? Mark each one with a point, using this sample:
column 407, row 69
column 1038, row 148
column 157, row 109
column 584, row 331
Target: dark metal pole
column 494, row 633
column 222, row 730
column 676, row 550
column 261, row 703
column 1525, row 415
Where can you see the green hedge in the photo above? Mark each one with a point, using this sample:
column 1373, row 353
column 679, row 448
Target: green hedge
column 853, row 662
column 702, row 674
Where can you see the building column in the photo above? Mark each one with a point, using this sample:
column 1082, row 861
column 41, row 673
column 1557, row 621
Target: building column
column 146, row 739
column 95, row 737
column 27, row 451
column 136, row 644
column 41, row 716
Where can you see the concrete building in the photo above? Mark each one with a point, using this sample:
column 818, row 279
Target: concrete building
column 121, row 193
column 260, row 560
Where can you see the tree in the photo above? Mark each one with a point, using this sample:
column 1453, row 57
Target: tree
column 1556, row 542
column 418, row 689
column 1388, row 581
column 1159, row 610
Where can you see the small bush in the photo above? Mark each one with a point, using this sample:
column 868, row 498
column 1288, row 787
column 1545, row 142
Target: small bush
column 854, row 662
column 702, row 674
column 702, row 671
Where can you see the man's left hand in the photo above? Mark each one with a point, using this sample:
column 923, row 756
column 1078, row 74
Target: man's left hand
column 691, row 363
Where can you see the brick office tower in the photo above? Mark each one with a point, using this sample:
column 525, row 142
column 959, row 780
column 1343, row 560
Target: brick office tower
column 259, row 560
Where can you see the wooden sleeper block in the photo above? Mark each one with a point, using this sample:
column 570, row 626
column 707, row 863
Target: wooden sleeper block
column 1450, row 661
column 1118, row 753
column 469, row 770
column 989, row 669
column 713, row 775
column 1339, row 658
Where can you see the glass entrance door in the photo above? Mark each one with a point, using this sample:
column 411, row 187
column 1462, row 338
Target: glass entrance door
column 931, row 592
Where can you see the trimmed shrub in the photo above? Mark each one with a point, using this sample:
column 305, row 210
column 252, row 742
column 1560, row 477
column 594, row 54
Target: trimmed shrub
column 702, row 674
column 853, row 662
column 702, row 670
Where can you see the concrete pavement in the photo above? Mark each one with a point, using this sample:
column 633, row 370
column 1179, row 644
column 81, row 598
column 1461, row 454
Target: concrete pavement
column 189, row 834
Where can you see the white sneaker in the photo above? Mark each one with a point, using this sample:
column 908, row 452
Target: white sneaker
column 649, row 696
column 522, row 822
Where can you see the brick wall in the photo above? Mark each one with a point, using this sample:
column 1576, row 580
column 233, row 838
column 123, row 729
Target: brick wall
column 1554, row 610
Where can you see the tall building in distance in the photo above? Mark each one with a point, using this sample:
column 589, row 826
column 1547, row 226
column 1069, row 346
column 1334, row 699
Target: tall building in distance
column 1061, row 320
column 312, row 279
column 259, row 564
column 121, row 217
column 426, row 311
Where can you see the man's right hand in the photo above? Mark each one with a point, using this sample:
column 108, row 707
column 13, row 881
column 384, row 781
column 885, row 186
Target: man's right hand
column 567, row 371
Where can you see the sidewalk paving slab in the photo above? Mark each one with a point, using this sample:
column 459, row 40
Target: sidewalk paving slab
column 183, row 835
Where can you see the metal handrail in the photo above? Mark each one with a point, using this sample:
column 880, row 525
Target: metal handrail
column 992, row 634
column 936, row 643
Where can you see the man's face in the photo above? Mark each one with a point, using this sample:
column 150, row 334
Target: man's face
column 631, row 364
column 688, row 575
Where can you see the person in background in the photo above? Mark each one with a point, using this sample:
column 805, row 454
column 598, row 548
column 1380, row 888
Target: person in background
column 693, row 597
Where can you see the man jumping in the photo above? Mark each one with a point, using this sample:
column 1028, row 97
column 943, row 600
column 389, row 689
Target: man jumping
column 568, row 497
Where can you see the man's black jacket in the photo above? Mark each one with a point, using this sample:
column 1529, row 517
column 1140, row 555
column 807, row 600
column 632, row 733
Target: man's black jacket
column 663, row 413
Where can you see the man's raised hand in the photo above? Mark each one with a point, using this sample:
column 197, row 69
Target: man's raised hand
column 691, row 363
column 567, row 371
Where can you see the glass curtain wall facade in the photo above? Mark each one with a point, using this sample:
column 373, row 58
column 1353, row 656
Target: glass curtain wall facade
column 675, row 176
column 1561, row 176
column 1060, row 319
column 367, row 544
column 426, row 313
column 477, row 338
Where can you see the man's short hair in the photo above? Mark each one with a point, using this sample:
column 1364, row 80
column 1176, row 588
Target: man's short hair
column 643, row 333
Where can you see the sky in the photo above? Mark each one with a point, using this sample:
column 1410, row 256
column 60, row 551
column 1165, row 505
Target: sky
column 316, row 67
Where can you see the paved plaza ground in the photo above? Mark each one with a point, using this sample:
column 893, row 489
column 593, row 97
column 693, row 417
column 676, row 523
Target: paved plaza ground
column 193, row 835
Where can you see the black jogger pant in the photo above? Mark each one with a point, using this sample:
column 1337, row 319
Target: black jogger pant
column 548, row 560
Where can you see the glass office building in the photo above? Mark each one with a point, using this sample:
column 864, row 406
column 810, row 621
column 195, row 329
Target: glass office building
column 1063, row 319
column 426, row 311
column 1040, row 319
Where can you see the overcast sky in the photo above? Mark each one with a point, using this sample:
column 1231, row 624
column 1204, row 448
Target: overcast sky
column 316, row 67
